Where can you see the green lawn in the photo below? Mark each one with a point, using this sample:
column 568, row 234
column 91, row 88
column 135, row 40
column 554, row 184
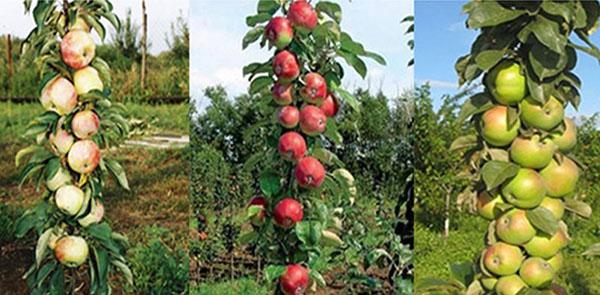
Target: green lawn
column 242, row 286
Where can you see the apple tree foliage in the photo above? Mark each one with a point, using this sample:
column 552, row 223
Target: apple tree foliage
column 313, row 240
column 41, row 163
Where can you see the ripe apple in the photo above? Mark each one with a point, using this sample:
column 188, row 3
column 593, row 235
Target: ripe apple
column 61, row 178
column 259, row 218
column 309, row 173
column 544, row 246
column 86, row 80
column 315, row 88
column 514, row 228
column 525, row 190
column 279, row 32
column 292, row 146
column 71, row 251
column 556, row 262
column 59, row 95
column 507, row 83
column 560, row 178
column 536, row 272
column 502, row 259
column 302, row 15
column 95, row 215
column 288, row 212
column 330, row 105
column 84, row 156
column 510, row 285
column 554, row 205
column 312, row 120
column 486, row 205
column 544, row 117
column 282, row 93
column 532, row 152
column 295, row 280
column 568, row 138
column 288, row 116
column 69, row 199
column 488, row 283
column 85, row 124
column 77, row 49
column 285, row 67
column 494, row 127
column 61, row 141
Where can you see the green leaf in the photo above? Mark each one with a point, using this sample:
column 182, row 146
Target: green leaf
column 494, row 173
column 487, row 59
column 118, row 172
column 546, row 63
column 331, row 132
column 270, row 182
column 376, row 57
column 463, row 142
column 578, row 207
column 57, row 283
column 548, row 33
column 260, row 84
column 542, row 219
column 317, row 277
column 32, row 149
column 309, row 233
column 125, row 270
column 593, row 250
column 489, row 13
column 247, row 237
column 267, row 6
column 350, row 46
column 463, row 272
column 476, row 104
column 375, row 255
column 24, row 224
column 100, row 231
column 331, row 9
column 42, row 245
column 273, row 272
column 348, row 98
column 44, row 272
column 253, row 20
column 41, row 12
column 252, row 36
column 327, row 157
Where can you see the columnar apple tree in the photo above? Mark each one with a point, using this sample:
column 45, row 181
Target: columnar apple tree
column 68, row 159
column 524, row 177
column 292, row 224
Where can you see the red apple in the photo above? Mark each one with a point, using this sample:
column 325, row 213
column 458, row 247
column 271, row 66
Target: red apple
column 84, row 156
column 288, row 212
column 285, row 67
column 312, row 120
column 295, row 280
column 85, row 124
column 302, row 15
column 292, row 146
column 282, row 93
column 77, row 49
column 288, row 116
column 315, row 89
column 259, row 218
column 309, row 172
column 279, row 32
column 330, row 105
column 59, row 96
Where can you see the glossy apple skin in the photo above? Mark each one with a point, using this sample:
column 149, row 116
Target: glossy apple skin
column 287, row 213
column 312, row 120
column 84, row 156
column 546, row 247
column 567, row 139
column 486, row 205
column 291, row 146
column 86, row 80
column 282, row 94
column 502, row 259
column 532, row 152
column 309, row 173
column 315, row 89
column 71, row 251
column 288, row 116
column 61, row 141
column 545, row 117
column 330, row 106
column 294, row 281
column 526, row 190
column 509, row 285
column 506, row 83
column 302, row 15
column 259, row 218
column 285, row 67
column 85, row 124
column 554, row 205
column 514, row 228
column 494, row 127
column 556, row 262
column 536, row 272
column 560, row 179
column 69, row 199
column 59, row 95
column 279, row 32
column 77, row 49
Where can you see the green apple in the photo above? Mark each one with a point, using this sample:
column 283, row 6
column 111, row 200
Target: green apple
column 86, row 80
column 560, row 179
column 532, row 152
column 486, row 205
column 525, row 190
column 556, row 262
column 544, row 246
column 536, row 272
column 568, row 138
column 69, row 199
column 507, row 83
column 554, row 205
column 513, row 227
column 502, row 259
column 494, row 127
column 488, row 283
column 61, row 178
column 545, row 117
column 510, row 285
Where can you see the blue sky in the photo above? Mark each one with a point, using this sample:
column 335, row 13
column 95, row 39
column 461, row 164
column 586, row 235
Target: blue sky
column 218, row 26
column 441, row 37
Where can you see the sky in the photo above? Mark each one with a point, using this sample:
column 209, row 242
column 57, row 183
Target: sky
column 441, row 37
column 160, row 17
column 218, row 26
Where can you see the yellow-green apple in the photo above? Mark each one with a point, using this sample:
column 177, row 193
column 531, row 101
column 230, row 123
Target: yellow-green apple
column 532, row 152
column 61, row 141
column 59, row 95
column 61, row 178
column 69, row 199
column 259, row 218
column 560, row 178
column 95, row 215
column 486, row 204
column 536, row 272
column 495, row 129
column 288, row 212
column 513, row 227
column 279, row 32
column 86, row 80
column 312, row 120
column 525, row 190
column 71, row 251
column 568, row 138
column 282, row 93
column 330, row 105
column 510, row 285
column 291, row 146
column 294, row 281
column 288, row 116
column 545, row 246
column 85, row 124
column 554, row 205
column 77, row 49
column 285, row 67
column 488, row 283
column 545, row 117
column 507, row 83
column 502, row 259
column 302, row 15
column 315, row 88
column 80, row 24
column 309, row 172
column 556, row 262
column 84, row 156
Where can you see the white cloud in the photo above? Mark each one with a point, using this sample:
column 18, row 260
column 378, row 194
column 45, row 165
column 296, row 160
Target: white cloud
column 439, row 84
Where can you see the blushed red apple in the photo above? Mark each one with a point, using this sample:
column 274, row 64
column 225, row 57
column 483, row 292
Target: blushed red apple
column 61, row 141
column 288, row 212
column 312, row 120
column 77, row 49
column 288, row 116
column 85, row 124
column 309, row 172
column 279, row 32
column 315, row 88
column 282, row 93
column 59, row 95
column 84, row 156
column 71, row 251
column 330, row 105
column 302, row 15
column 285, row 67
column 292, row 146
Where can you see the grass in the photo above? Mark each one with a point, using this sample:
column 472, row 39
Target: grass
column 241, row 286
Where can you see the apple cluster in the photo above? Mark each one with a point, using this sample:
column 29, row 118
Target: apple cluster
column 536, row 138
column 72, row 141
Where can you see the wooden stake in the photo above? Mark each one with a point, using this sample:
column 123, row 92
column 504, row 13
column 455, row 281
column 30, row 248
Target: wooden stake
column 144, row 44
